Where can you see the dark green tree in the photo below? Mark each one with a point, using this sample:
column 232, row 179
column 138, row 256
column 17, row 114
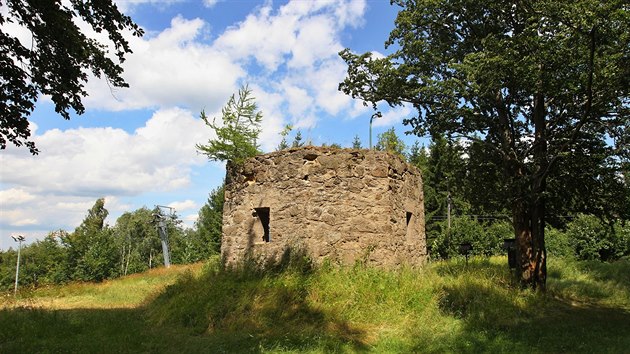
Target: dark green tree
column 484, row 186
column 92, row 254
column 57, row 60
column 297, row 140
column 210, row 221
column 443, row 179
column 237, row 137
column 524, row 78
column 44, row 261
column 356, row 143
column 8, row 260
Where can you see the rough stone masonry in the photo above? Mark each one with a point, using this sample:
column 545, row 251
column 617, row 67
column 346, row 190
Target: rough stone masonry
column 345, row 205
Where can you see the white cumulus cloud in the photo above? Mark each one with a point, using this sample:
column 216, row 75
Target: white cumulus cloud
column 95, row 162
column 184, row 205
column 173, row 68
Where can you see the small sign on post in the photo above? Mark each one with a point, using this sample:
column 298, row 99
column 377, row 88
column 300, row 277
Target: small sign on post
column 464, row 249
column 510, row 245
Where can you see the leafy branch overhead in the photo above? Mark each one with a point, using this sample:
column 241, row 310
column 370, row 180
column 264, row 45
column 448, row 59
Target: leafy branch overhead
column 236, row 138
column 58, row 59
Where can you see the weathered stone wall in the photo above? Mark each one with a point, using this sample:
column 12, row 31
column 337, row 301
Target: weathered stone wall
column 341, row 204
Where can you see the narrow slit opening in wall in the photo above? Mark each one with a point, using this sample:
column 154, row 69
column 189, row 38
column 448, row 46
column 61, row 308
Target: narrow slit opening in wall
column 263, row 217
column 409, row 230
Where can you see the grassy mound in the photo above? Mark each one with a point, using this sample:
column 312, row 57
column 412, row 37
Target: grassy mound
column 291, row 307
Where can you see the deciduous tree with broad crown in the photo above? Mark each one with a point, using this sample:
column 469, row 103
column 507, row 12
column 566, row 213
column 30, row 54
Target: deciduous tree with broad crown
column 527, row 79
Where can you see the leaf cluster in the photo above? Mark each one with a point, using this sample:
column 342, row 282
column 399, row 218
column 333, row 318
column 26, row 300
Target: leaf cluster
column 58, row 59
column 236, row 136
column 474, row 69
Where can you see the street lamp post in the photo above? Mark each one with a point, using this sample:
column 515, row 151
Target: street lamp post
column 375, row 115
column 18, row 239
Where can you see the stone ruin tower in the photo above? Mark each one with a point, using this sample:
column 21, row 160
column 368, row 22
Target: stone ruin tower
column 345, row 205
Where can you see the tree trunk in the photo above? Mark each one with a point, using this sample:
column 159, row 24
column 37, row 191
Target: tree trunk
column 128, row 258
column 529, row 209
column 539, row 185
column 531, row 256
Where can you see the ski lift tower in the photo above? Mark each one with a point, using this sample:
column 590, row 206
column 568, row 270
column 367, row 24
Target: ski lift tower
column 161, row 219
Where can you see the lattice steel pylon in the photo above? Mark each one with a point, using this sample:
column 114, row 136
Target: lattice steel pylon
column 161, row 222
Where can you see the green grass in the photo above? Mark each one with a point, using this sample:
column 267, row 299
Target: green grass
column 445, row 307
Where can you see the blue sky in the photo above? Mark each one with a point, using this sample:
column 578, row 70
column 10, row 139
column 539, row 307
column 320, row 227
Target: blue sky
column 135, row 146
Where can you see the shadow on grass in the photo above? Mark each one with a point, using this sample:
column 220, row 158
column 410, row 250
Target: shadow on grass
column 618, row 271
column 261, row 304
column 254, row 308
column 496, row 316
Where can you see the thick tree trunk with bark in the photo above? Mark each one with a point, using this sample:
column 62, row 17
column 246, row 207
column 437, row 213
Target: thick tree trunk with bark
column 529, row 208
column 529, row 224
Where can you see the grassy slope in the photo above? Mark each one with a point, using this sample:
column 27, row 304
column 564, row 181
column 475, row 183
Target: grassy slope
column 447, row 307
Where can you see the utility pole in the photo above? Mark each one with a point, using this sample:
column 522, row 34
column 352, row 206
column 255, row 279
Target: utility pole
column 448, row 209
column 161, row 224
column 449, row 202
column 18, row 239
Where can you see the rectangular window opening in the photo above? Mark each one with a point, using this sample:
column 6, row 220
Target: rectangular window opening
column 409, row 216
column 263, row 216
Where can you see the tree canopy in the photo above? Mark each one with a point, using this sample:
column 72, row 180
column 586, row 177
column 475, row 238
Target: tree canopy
column 534, row 83
column 57, row 60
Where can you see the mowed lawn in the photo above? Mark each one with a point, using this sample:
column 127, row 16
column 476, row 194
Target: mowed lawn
column 448, row 306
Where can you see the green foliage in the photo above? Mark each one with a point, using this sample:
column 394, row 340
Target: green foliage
column 390, row 142
column 587, row 180
column 591, row 239
column 210, row 221
column 356, row 143
column 297, row 140
column 527, row 80
column 419, row 157
column 44, row 262
column 137, row 241
column 622, row 234
column 58, row 65
column 284, row 133
column 236, row 137
column 486, row 239
column 95, row 251
column 558, row 243
column 91, row 250
column 205, row 239
column 483, row 182
column 448, row 306
column 8, row 260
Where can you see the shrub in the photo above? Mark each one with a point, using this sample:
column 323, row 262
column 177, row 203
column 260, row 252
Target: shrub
column 592, row 239
column 557, row 243
column 486, row 239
